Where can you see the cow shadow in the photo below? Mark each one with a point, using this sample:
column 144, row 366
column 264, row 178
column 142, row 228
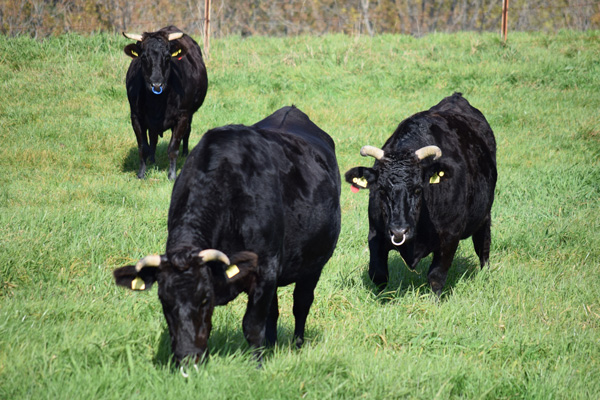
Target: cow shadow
column 403, row 280
column 131, row 162
column 230, row 344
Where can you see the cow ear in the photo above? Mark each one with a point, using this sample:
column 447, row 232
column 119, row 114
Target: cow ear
column 437, row 173
column 132, row 50
column 178, row 50
column 130, row 278
column 361, row 177
column 242, row 264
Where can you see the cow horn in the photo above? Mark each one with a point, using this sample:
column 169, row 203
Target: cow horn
column 133, row 36
column 372, row 151
column 175, row 35
column 428, row 151
column 148, row 261
column 213, row 255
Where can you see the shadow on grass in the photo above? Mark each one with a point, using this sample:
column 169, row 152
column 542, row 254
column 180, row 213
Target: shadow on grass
column 403, row 280
column 224, row 343
column 131, row 162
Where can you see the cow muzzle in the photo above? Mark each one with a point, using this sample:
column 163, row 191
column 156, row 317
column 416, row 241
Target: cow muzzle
column 157, row 88
column 398, row 236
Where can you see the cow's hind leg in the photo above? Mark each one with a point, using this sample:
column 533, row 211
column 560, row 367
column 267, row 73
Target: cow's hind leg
column 179, row 131
column 438, row 271
column 304, row 295
column 186, row 139
column 482, row 240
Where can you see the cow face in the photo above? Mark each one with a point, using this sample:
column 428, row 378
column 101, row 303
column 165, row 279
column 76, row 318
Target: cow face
column 189, row 289
column 156, row 52
column 396, row 181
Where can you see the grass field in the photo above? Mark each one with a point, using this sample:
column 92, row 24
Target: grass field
column 72, row 210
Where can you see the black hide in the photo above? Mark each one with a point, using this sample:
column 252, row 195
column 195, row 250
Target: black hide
column 271, row 191
column 431, row 204
column 166, row 84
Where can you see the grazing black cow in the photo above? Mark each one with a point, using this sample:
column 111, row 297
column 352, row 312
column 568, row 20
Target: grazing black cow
column 432, row 185
column 166, row 84
column 254, row 208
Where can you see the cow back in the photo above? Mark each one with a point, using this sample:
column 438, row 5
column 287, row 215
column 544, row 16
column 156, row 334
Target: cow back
column 272, row 188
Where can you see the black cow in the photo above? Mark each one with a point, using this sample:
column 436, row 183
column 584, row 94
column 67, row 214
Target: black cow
column 267, row 195
column 432, row 185
column 166, row 84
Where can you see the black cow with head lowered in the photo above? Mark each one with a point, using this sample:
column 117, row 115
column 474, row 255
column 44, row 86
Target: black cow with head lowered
column 254, row 208
column 432, row 184
column 166, row 84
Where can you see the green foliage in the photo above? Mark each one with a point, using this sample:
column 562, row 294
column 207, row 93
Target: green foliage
column 71, row 210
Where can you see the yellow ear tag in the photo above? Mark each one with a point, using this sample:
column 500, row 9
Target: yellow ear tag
column 176, row 53
column 138, row 284
column 134, row 53
column 435, row 178
column 232, row 271
column 362, row 182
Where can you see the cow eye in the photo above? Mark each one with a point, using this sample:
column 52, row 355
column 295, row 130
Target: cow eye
column 418, row 191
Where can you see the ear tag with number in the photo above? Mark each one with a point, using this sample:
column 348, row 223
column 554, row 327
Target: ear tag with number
column 134, row 53
column 435, row 178
column 138, row 284
column 232, row 271
column 176, row 53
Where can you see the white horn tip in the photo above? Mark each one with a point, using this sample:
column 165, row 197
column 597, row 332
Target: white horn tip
column 148, row 261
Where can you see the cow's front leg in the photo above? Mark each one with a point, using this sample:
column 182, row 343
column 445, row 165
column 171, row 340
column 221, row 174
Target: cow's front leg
column 271, row 329
column 257, row 312
column 378, row 259
column 153, row 143
column 438, row 271
column 142, row 142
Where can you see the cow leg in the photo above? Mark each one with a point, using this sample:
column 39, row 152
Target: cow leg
column 482, row 240
column 304, row 295
column 186, row 139
column 438, row 271
column 142, row 142
column 257, row 313
column 179, row 131
column 271, row 330
column 378, row 260
column 153, row 143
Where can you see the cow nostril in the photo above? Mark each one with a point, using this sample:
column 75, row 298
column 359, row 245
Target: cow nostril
column 157, row 88
column 398, row 235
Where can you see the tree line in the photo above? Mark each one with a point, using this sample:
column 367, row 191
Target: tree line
column 40, row 18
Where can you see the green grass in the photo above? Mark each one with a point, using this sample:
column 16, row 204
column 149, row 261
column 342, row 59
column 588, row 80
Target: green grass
column 71, row 210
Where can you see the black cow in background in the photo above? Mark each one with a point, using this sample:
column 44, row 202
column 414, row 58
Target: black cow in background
column 166, row 84
column 432, row 184
column 254, row 208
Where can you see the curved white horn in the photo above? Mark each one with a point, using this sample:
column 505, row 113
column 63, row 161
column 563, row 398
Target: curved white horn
column 175, row 35
column 372, row 151
column 428, row 151
column 148, row 261
column 133, row 36
column 213, row 255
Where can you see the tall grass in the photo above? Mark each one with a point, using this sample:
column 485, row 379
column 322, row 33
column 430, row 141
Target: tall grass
column 71, row 210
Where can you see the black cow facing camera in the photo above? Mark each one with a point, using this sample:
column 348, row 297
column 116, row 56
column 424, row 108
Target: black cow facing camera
column 432, row 184
column 254, row 208
column 166, row 84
